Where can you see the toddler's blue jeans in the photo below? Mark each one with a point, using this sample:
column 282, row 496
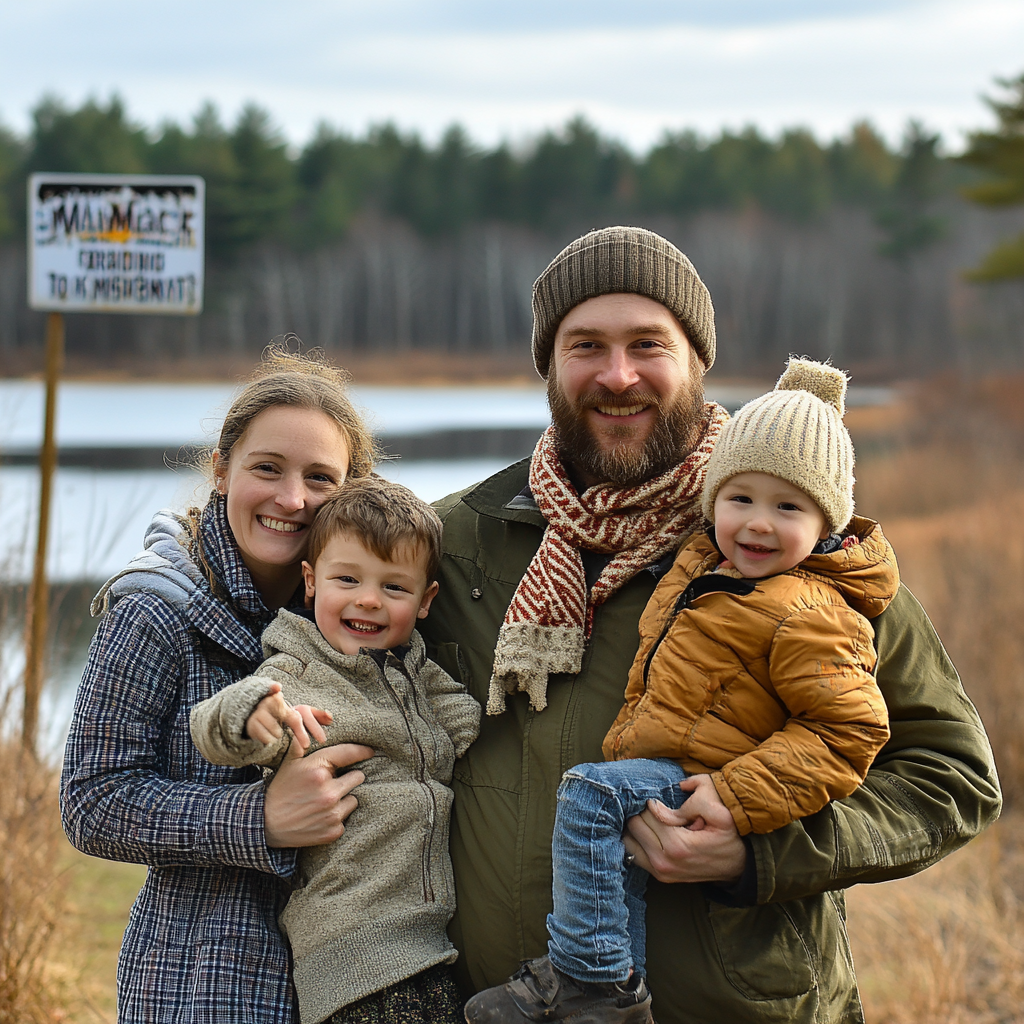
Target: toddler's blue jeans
column 597, row 930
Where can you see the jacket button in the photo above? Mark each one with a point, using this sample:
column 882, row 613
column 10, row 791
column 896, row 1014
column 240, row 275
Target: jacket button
column 476, row 593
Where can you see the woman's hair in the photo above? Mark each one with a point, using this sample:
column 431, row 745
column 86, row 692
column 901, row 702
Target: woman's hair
column 302, row 381
column 384, row 516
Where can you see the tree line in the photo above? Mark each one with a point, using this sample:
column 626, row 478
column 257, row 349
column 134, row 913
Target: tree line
column 382, row 243
column 260, row 191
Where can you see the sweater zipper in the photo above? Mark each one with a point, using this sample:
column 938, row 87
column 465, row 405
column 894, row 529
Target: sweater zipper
column 421, row 777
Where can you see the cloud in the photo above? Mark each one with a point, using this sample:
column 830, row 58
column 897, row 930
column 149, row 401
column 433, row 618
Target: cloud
column 504, row 70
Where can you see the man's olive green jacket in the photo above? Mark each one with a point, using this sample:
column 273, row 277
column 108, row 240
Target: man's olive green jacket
column 786, row 958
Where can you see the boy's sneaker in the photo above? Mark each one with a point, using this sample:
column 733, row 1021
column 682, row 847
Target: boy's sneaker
column 539, row 991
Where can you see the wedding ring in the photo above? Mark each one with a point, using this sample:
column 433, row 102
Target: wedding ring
column 629, row 860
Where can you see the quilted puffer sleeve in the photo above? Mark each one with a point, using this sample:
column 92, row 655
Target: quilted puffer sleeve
column 820, row 664
column 932, row 788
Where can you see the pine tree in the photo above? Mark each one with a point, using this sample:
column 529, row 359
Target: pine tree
column 1000, row 154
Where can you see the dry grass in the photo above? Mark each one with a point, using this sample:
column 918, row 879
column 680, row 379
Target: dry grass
column 31, row 889
column 947, row 947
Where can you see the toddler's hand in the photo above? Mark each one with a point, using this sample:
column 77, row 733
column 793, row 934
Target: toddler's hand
column 311, row 721
column 266, row 722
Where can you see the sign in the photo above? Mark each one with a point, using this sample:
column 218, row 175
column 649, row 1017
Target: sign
column 113, row 243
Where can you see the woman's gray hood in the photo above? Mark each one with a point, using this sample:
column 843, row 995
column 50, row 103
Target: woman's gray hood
column 163, row 567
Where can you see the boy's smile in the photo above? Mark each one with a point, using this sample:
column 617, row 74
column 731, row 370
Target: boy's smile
column 361, row 600
column 764, row 525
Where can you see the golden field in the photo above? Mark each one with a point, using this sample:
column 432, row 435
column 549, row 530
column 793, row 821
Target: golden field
column 943, row 470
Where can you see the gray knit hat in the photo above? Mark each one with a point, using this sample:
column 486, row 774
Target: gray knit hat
column 621, row 259
column 796, row 433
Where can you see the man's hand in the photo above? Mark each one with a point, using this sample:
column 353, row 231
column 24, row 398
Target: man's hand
column 697, row 843
column 269, row 717
column 307, row 802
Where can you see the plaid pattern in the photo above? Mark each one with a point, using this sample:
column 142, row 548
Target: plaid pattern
column 202, row 944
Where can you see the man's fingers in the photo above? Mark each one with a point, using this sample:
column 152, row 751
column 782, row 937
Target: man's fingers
column 639, row 827
column 638, row 852
column 665, row 815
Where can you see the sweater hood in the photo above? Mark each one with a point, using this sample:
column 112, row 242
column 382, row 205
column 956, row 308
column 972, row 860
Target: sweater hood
column 866, row 573
column 164, row 567
column 298, row 636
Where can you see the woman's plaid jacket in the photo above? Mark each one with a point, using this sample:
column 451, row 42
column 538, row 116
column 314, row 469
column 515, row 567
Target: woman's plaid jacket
column 202, row 944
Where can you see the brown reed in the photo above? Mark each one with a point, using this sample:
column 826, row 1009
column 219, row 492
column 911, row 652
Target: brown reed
column 947, row 946
column 31, row 888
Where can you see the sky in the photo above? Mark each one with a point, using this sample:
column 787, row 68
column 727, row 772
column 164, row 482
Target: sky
column 508, row 69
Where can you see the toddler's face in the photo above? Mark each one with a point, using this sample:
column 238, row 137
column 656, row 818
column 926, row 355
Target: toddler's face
column 765, row 525
column 362, row 600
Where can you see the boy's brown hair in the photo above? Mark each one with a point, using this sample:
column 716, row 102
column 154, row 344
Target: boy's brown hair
column 384, row 515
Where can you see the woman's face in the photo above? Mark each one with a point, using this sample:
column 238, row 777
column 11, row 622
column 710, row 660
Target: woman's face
column 281, row 470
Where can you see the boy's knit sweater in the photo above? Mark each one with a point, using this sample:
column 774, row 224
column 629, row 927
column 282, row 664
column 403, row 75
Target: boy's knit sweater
column 370, row 909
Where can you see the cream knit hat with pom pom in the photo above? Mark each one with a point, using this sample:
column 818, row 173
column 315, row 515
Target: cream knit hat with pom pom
column 796, row 433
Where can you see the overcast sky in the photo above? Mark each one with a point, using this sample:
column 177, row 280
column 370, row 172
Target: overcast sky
column 509, row 68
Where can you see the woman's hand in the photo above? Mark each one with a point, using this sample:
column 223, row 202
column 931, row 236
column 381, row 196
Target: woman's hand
column 697, row 843
column 306, row 802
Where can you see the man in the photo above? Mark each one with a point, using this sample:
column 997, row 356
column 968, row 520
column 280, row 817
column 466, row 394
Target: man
column 544, row 578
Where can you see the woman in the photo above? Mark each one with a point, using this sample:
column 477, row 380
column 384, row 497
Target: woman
column 184, row 620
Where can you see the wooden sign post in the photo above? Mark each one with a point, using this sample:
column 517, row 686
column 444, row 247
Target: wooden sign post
column 99, row 243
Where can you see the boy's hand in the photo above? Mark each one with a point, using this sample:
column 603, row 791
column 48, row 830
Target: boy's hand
column 267, row 721
column 311, row 721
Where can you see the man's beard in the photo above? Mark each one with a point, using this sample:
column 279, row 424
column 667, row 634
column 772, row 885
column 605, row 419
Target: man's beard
column 675, row 433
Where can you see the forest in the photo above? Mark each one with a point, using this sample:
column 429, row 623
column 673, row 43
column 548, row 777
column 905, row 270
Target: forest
column 383, row 241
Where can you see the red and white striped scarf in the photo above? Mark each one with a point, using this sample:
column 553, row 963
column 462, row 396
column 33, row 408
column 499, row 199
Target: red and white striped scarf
column 549, row 620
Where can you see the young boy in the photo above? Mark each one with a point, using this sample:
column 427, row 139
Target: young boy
column 754, row 669
column 367, row 918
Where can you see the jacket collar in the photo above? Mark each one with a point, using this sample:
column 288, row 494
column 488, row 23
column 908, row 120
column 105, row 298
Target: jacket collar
column 499, row 496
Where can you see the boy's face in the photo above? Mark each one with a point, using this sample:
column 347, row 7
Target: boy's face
column 363, row 601
column 765, row 525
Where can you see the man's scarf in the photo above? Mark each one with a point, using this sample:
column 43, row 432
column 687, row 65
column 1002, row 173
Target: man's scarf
column 549, row 620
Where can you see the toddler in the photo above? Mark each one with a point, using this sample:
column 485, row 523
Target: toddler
column 754, row 668
column 367, row 918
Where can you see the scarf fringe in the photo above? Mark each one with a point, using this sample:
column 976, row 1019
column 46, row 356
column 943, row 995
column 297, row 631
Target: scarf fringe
column 525, row 655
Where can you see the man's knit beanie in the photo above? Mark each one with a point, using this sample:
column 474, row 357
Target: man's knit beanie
column 621, row 259
column 796, row 433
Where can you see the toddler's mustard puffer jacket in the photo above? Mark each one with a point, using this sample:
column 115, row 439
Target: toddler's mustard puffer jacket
column 765, row 684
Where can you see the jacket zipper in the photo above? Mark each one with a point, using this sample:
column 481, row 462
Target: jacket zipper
column 421, row 776
column 700, row 586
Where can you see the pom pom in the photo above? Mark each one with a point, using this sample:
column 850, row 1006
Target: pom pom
column 823, row 381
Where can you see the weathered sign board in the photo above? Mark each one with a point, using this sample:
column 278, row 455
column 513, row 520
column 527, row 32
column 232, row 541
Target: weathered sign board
column 112, row 243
